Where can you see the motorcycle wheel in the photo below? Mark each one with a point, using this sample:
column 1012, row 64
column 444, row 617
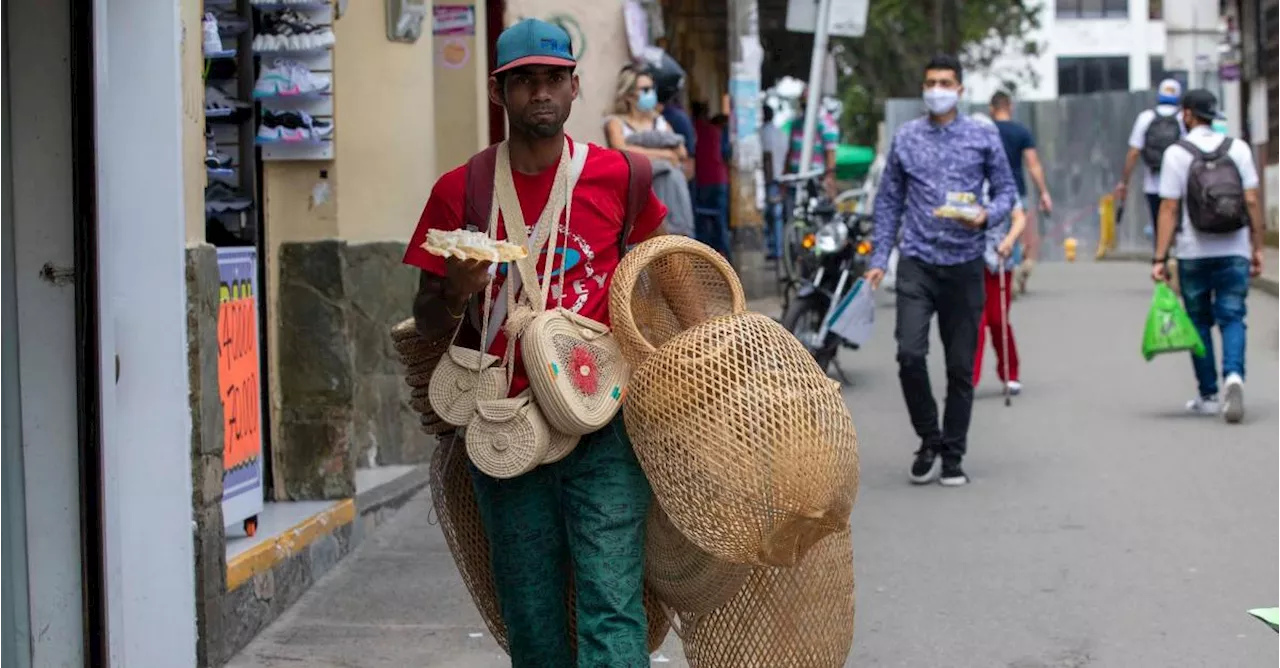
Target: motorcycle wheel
column 803, row 318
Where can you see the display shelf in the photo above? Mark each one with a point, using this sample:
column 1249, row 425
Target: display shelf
column 294, row 54
column 220, row 55
column 297, row 6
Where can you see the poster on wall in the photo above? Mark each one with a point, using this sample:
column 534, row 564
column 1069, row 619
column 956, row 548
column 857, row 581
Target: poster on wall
column 239, row 387
column 453, row 20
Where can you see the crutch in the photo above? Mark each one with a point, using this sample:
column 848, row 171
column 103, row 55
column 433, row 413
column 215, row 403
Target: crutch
column 1004, row 331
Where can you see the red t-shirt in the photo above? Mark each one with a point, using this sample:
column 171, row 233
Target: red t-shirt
column 599, row 208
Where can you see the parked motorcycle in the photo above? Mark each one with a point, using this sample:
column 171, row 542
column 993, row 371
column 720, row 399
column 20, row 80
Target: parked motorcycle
column 811, row 211
column 842, row 252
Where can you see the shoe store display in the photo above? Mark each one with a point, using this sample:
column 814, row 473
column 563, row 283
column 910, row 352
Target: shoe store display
column 286, row 78
column 222, row 198
column 212, row 39
column 290, row 31
column 292, row 126
column 219, row 105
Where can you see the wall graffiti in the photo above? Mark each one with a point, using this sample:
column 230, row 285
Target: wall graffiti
column 576, row 34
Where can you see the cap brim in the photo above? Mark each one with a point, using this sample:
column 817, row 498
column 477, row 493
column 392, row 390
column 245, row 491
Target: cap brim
column 536, row 60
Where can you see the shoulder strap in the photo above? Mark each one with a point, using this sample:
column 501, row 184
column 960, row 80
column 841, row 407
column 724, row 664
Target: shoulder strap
column 639, row 183
column 1191, row 148
column 1222, row 151
column 479, row 192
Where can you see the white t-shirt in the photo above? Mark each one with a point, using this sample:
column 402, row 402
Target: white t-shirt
column 1138, row 139
column 659, row 125
column 1193, row 244
column 772, row 141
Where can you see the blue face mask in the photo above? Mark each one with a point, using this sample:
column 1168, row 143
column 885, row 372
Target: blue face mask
column 648, row 100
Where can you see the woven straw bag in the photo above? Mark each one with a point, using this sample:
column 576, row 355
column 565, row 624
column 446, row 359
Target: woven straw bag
column 686, row 579
column 453, row 499
column 508, row 437
column 798, row 617
column 748, row 445
column 576, row 370
column 456, row 385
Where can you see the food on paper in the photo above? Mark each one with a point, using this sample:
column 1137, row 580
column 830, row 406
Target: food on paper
column 468, row 245
column 959, row 205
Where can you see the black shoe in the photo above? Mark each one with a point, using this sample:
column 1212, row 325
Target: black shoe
column 953, row 475
column 925, row 469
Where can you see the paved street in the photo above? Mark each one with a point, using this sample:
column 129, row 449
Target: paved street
column 1102, row 528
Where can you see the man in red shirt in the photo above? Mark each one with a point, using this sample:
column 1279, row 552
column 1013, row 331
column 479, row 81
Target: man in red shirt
column 585, row 512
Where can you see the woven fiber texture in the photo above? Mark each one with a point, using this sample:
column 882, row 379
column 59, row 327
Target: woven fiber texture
column 420, row 359
column 686, row 579
column 508, row 437
column 454, row 501
column 748, row 445
column 561, row 446
column 666, row 285
column 798, row 617
column 575, row 369
column 463, row 378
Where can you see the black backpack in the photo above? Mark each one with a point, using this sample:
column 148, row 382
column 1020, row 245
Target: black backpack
column 1215, row 191
column 1163, row 132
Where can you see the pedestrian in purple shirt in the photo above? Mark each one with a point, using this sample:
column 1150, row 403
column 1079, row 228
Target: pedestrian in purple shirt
column 937, row 165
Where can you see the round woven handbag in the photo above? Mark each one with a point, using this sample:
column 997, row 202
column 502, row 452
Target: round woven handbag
column 686, row 579
column 798, row 617
column 508, row 437
column 748, row 445
column 454, row 501
column 575, row 369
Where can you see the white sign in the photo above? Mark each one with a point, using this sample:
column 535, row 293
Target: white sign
column 848, row 17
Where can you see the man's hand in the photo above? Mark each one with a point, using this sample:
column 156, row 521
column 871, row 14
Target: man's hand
column 829, row 183
column 1158, row 272
column 874, row 276
column 1046, row 203
column 1255, row 264
column 465, row 277
column 977, row 221
column 1122, row 189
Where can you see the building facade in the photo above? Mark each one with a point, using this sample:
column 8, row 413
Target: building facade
column 1085, row 46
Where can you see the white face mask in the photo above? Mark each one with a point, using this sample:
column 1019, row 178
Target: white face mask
column 940, row 100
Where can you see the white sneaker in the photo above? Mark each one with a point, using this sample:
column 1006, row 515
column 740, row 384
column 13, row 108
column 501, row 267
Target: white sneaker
column 212, row 40
column 1233, row 405
column 1204, row 406
column 1015, row 387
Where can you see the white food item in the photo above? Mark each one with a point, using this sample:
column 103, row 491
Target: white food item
column 468, row 245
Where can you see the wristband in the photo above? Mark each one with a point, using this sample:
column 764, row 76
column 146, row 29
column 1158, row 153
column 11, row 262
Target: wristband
column 1159, row 260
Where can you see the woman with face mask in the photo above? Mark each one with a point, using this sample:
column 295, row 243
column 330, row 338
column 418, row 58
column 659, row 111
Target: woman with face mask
column 636, row 123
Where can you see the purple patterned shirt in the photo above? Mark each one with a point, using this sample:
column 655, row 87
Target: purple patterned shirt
column 926, row 162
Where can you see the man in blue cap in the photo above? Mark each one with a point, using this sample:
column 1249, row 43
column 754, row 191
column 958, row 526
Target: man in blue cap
column 1154, row 131
column 583, row 515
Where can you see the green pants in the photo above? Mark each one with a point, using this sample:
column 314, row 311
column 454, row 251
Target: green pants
column 585, row 512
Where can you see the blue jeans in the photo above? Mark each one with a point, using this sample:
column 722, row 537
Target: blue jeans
column 773, row 220
column 1214, row 291
column 711, row 217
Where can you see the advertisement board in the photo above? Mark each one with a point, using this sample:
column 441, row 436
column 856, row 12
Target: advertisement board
column 239, row 386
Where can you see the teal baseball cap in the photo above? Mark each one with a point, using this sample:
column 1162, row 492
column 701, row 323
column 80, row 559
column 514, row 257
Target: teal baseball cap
column 534, row 42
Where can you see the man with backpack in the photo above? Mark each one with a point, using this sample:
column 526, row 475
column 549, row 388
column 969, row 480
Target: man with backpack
column 584, row 515
column 1154, row 131
column 1219, row 232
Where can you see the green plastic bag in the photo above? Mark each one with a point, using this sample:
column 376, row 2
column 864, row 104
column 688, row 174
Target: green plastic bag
column 1169, row 328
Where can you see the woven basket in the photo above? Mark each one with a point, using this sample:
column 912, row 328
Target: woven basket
column 748, row 445
column 412, row 349
column 454, row 501
column 686, row 579
column 698, row 284
column 798, row 617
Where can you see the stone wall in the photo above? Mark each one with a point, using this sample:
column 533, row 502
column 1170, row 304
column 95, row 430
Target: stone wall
column 206, row 448
column 344, row 401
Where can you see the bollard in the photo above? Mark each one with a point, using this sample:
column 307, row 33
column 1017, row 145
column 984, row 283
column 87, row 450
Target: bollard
column 1069, row 248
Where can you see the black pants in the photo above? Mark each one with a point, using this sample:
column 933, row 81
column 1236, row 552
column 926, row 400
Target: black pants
column 957, row 295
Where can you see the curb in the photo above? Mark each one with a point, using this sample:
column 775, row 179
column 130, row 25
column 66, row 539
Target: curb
column 1267, row 284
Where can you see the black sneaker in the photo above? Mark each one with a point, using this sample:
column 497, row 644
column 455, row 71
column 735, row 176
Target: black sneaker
column 953, row 475
column 925, row 468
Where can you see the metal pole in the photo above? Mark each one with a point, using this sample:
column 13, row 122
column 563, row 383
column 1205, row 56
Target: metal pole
column 814, row 98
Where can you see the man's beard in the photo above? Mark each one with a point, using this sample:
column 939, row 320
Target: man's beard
column 543, row 130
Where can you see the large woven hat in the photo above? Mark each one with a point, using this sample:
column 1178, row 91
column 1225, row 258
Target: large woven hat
column 686, row 579
column 697, row 284
column 454, row 501
column 798, row 617
column 748, row 445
